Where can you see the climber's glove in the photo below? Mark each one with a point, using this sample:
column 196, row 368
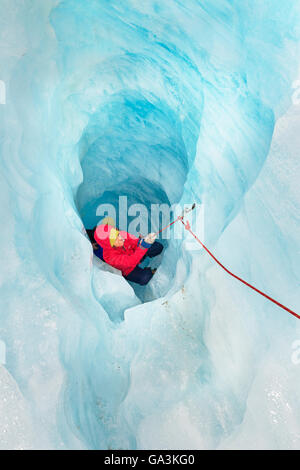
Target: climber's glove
column 150, row 238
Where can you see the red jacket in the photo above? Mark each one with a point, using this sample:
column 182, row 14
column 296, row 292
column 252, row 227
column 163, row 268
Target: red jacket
column 124, row 258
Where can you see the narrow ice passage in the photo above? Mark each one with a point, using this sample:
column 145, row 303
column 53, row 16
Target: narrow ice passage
column 166, row 102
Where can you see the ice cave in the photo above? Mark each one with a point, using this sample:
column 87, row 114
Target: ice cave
column 163, row 102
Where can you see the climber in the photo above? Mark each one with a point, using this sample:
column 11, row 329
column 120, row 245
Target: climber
column 124, row 251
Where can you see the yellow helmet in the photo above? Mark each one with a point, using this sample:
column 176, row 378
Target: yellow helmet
column 108, row 221
column 113, row 236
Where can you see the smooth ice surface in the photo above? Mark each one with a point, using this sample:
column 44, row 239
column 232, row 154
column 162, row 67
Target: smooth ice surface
column 166, row 102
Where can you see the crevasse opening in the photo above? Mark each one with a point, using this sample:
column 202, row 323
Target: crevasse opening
column 133, row 148
column 170, row 102
column 132, row 145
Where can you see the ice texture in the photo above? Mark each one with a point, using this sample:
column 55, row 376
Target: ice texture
column 164, row 102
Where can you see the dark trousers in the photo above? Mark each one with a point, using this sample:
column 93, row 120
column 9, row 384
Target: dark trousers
column 143, row 275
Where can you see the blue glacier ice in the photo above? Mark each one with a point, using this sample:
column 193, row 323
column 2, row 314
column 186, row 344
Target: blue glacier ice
column 164, row 102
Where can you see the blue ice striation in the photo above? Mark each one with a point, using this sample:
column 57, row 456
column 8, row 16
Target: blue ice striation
column 163, row 102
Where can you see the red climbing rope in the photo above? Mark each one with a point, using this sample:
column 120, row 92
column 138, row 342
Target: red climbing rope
column 187, row 226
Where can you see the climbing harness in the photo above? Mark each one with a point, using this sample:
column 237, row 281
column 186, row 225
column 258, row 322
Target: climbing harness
column 187, row 226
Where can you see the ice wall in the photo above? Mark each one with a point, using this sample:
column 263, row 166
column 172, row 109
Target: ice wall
column 167, row 102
